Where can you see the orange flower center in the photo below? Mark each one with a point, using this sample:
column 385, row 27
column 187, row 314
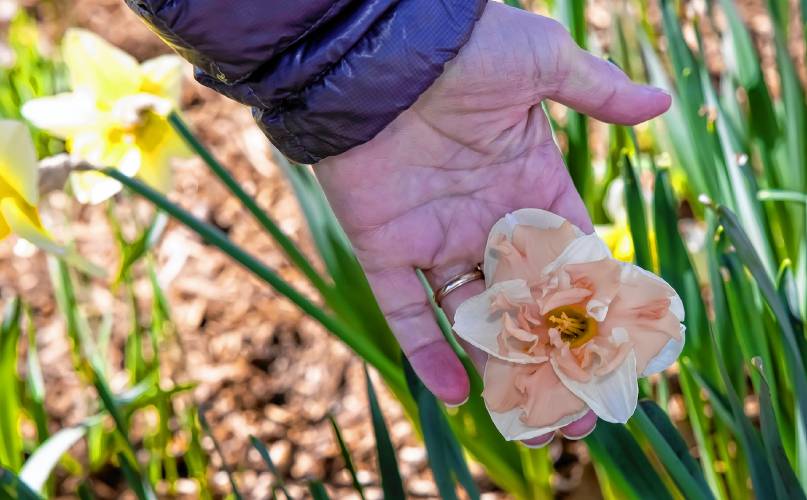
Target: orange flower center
column 576, row 327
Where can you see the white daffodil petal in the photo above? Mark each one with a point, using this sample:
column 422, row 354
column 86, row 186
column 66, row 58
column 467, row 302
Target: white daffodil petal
column 18, row 166
column 25, row 224
column 527, row 217
column 99, row 67
column 512, row 428
column 162, row 76
column 676, row 304
column 614, row 396
column 62, row 115
column 476, row 324
column 667, row 356
column 93, row 187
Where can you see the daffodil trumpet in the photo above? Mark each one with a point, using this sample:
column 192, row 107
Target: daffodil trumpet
column 567, row 327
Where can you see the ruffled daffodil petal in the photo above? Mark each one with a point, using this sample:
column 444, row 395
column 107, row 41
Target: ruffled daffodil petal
column 479, row 325
column 612, row 396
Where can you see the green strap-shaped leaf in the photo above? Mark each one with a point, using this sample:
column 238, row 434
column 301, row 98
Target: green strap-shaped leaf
column 720, row 404
column 445, row 456
column 84, row 491
column 616, row 451
column 795, row 344
column 672, row 451
column 635, row 208
column 12, row 488
column 133, row 477
column 40, row 464
column 35, row 383
column 318, row 491
column 387, row 462
column 10, row 437
column 787, row 485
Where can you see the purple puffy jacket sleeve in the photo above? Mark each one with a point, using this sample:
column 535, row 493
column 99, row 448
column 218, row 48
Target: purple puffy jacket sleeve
column 321, row 76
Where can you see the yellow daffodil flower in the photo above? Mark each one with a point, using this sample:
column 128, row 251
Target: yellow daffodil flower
column 617, row 236
column 19, row 193
column 618, row 239
column 116, row 114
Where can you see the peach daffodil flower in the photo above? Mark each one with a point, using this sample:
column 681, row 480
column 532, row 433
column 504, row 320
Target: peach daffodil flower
column 566, row 326
column 19, row 193
column 116, row 114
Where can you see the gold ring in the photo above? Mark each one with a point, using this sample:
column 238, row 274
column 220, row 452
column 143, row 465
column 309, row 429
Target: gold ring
column 456, row 282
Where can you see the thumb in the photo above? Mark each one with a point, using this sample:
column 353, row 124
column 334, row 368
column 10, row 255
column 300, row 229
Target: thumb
column 596, row 87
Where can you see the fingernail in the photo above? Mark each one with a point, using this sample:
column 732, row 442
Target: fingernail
column 657, row 90
column 581, row 436
column 455, row 405
column 539, row 445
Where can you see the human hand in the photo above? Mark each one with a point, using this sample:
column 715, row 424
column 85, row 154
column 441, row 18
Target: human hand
column 424, row 193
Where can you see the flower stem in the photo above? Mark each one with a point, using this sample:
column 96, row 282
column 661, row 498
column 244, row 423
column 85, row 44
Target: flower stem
column 215, row 237
column 288, row 246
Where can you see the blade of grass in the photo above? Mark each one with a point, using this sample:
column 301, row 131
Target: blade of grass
column 195, row 457
column 230, row 476
column 258, row 445
column 346, row 457
column 387, row 462
column 135, row 250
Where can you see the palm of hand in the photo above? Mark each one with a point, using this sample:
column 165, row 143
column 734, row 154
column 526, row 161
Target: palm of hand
column 424, row 193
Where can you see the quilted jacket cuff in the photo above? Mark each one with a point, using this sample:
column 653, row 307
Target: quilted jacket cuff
column 336, row 104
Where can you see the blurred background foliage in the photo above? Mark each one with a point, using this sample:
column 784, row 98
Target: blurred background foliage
column 712, row 196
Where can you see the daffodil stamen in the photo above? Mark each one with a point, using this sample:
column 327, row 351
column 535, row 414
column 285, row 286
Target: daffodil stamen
column 573, row 323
